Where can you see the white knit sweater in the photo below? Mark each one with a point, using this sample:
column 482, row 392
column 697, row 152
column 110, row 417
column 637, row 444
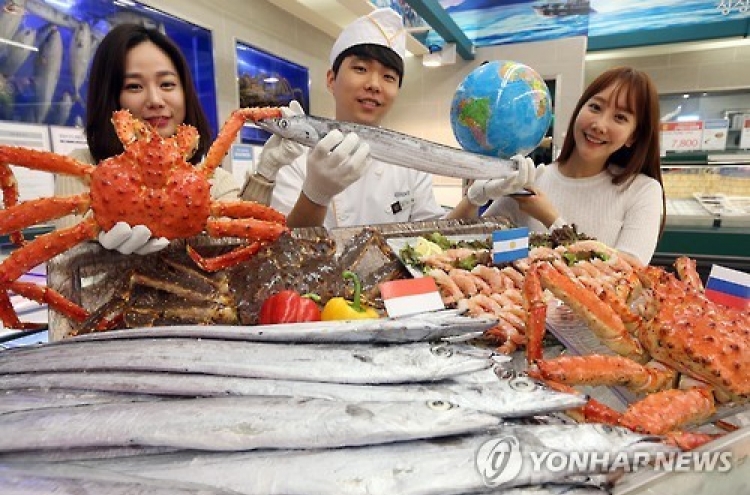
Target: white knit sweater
column 625, row 216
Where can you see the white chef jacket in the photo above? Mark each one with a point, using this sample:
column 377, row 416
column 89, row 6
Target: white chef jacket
column 386, row 193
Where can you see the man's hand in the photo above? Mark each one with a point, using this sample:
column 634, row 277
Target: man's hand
column 336, row 162
column 278, row 152
column 482, row 191
column 126, row 239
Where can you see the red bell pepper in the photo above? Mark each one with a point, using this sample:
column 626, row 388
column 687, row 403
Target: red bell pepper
column 288, row 306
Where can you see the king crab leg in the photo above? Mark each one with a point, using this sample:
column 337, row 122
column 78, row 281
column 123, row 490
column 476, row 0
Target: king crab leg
column 229, row 132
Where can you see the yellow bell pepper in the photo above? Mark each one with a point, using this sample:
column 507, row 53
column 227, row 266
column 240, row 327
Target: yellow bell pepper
column 339, row 308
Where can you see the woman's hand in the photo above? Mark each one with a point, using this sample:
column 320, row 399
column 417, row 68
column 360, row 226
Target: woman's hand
column 538, row 206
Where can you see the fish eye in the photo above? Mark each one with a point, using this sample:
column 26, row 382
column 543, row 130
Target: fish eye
column 522, row 384
column 441, row 351
column 439, row 405
column 505, row 373
column 283, row 123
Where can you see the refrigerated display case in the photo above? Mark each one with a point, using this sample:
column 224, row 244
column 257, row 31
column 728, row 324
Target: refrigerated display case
column 708, row 209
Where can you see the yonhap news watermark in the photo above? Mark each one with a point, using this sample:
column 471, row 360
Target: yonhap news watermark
column 501, row 459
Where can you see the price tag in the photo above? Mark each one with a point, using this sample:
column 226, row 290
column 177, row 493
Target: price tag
column 682, row 136
column 745, row 137
column 241, row 156
column 715, row 133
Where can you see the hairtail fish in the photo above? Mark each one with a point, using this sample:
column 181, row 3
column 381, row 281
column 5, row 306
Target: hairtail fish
column 395, row 147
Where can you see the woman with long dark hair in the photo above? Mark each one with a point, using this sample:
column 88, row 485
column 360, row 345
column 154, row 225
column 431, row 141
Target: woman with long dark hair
column 143, row 71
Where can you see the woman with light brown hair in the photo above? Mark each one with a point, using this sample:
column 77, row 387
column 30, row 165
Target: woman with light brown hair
column 607, row 179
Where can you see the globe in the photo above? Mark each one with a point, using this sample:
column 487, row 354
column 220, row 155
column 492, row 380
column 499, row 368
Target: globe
column 501, row 108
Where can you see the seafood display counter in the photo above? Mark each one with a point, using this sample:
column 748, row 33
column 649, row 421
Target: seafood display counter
column 403, row 413
column 708, row 210
column 704, row 190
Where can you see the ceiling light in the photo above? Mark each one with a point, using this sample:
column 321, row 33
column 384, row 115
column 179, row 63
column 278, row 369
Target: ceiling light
column 438, row 56
column 431, row 59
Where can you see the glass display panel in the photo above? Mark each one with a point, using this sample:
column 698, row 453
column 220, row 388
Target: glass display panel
column 264, row 80
column 46, row 49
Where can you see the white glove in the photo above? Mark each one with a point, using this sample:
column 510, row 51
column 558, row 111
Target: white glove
column 482, row 191
column 127, row 240
column 278, row 152
column 333, row 164
column 539, row 171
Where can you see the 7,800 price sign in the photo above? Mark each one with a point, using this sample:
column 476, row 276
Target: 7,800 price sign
column 681, row 136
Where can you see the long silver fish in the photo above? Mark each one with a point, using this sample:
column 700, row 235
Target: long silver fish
column 433, row 467
column 64, row 107
column 47, row 71
column 395, row 147
column 17, row 56
column 81, row 454
column 338, row 363
column 80, row 52
column 9, row 24
column 509, row 397
column 63, row 479
column 29, row 399
column 50, row 14
column 420, row 328
column 236, row 424
column 551, row 489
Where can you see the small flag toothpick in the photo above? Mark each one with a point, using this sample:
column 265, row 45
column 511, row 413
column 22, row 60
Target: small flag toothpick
column 510, row 244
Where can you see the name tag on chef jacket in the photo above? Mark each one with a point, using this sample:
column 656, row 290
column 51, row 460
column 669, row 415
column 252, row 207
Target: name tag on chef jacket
column 401, row 201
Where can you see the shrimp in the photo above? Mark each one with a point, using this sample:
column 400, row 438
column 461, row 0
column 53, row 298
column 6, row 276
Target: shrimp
column 469, row 284
column 515, row 275
column 492, row 276
column 449, row 291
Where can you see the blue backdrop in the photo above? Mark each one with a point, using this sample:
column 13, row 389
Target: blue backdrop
column 49, row 85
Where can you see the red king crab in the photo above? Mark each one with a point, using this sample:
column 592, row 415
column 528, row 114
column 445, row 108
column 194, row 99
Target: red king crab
column 675, row 329
column 150, row 183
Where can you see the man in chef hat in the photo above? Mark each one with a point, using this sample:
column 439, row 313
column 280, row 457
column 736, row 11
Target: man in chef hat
column 337, row 183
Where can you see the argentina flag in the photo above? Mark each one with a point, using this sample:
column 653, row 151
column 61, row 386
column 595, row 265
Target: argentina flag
column 510, row 244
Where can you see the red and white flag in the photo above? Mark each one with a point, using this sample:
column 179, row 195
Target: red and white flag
column 411, row 296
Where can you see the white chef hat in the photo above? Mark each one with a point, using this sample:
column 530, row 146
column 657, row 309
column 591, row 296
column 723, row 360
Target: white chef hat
column 380, row 27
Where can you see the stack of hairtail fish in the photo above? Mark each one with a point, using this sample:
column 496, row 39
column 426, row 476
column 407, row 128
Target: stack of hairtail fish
column 389, row 406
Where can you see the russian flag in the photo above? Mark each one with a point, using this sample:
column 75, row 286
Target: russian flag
column 729, row 287
column 410, row 296
column 510, row 245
